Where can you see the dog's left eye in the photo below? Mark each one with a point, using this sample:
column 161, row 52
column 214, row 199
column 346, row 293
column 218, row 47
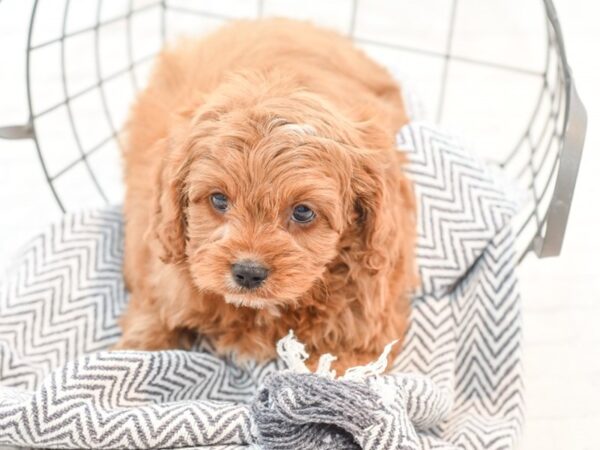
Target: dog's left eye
column 219, row 201
column 303, row 214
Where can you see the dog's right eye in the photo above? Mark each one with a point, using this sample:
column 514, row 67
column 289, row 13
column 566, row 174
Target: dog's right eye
column 303, row 214
column 219, row 202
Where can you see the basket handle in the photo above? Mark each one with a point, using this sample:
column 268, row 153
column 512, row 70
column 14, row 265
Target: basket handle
column 558, row 212
column 17, row 131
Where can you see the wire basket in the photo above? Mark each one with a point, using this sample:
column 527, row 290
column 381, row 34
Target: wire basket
column 495, row 71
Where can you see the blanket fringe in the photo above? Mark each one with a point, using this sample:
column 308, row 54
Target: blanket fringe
column 294, row 354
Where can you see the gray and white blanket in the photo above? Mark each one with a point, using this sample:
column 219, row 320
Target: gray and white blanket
column 456, row 384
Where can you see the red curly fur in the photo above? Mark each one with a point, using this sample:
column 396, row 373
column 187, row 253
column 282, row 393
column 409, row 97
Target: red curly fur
column 273, row 113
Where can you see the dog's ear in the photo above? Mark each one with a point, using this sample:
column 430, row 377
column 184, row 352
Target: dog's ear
column 168, row 220
column 385, row 212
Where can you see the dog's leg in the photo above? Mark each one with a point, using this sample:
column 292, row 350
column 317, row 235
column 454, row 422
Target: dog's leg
column 143, row 329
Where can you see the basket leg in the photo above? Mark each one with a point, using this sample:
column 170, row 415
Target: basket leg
column 17, row 131
column 558, row 212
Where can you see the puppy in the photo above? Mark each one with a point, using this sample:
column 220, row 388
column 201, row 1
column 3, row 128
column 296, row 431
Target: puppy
column 265, row 193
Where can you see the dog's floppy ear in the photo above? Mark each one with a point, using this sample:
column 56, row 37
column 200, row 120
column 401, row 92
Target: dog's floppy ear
column 385, row 210
column 168, row 222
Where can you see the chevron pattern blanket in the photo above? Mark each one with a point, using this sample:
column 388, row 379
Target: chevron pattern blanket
column 456, row 384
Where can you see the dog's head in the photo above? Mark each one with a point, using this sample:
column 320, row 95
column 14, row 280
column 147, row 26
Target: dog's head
column 264, row 189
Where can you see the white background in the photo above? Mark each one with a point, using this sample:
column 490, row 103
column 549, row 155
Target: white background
column 561, row 297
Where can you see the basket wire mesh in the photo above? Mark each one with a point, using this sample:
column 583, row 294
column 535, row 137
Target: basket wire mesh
column 78, row 101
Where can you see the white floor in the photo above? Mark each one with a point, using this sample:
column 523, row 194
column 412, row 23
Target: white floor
column 561, row 296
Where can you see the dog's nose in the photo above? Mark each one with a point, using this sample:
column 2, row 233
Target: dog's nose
column 249, row 274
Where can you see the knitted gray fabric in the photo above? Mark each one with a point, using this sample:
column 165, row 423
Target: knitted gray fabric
column 315, row 411
column 307, row 411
